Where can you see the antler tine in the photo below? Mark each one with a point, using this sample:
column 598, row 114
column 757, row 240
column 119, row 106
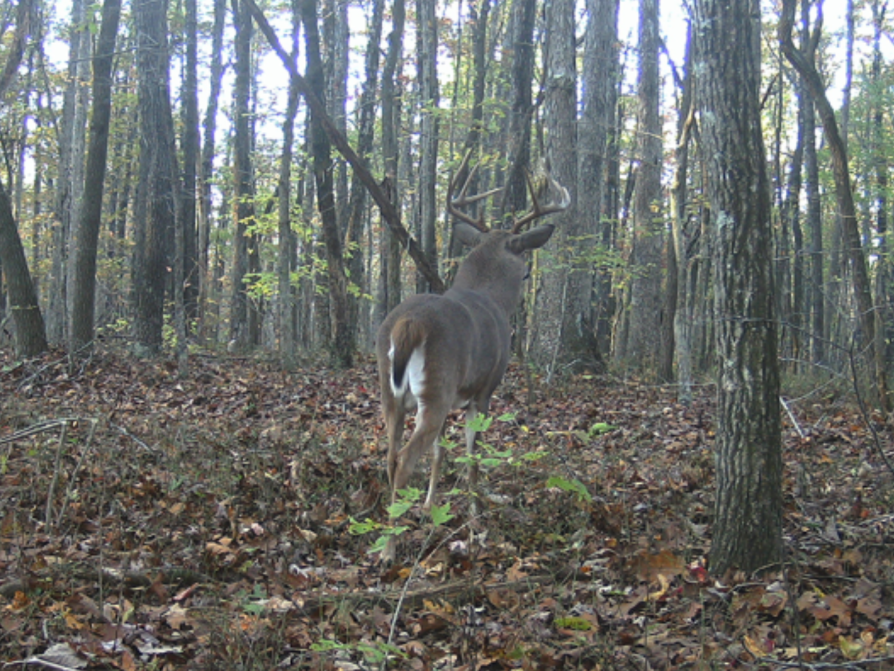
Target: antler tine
column 462, row 200
column 538, row 210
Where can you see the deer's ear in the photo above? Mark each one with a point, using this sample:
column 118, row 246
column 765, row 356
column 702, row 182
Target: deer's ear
column 468, row 235
column 536, row 237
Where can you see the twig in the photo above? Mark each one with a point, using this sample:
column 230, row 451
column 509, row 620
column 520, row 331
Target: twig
column 39, row 428
column 124, row 432
column 791, row 416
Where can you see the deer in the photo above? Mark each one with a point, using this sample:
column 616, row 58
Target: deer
column 437, row 353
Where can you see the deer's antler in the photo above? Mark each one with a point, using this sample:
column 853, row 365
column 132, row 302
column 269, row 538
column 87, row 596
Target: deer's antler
column 462, row 199
column 546, row 185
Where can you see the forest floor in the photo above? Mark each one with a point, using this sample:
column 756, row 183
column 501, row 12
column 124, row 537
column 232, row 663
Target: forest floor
column 152, row 522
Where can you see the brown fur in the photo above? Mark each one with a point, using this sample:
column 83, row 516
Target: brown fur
column 408, row 333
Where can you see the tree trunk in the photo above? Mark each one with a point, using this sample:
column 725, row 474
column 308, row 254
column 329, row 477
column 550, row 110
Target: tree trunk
column 880, row 165
column 599, row 83
column 390, row 250
column 68, row 188
column 190, row 150
column 684, row 236
column 154, row 216
column 428, row 149
column 83, row 298
column 554, row 341
column 748, row 513
column 206, row 173
column 648, row 240
column 365, row 137
column 287, row 247
column 518, row 136
column 243, row 190
column 31, row 338
column 342, row 345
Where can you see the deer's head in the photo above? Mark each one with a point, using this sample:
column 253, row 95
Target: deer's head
column 497, row 257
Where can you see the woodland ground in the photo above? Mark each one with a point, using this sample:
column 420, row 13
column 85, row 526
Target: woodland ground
column 149, row 522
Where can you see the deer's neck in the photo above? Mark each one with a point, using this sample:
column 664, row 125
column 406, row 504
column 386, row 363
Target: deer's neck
column 503, row 294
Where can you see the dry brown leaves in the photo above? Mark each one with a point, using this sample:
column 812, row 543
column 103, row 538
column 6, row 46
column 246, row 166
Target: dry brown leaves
column 205, row 523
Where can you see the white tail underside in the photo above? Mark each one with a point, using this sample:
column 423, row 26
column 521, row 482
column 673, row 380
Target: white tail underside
column 411, row 385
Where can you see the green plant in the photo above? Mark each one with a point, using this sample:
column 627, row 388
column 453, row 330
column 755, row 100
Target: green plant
column 407, row 498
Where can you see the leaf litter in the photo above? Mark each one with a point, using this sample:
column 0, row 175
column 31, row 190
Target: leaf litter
column 152, row 522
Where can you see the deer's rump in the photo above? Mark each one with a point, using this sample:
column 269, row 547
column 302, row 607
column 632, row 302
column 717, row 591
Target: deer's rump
column 431, row 342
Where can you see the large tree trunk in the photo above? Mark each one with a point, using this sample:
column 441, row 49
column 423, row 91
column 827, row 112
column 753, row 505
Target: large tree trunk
column 599, row 83
column 84, row 287
column 554, row 335
column 31, row 338
column 243, row 207
column 154, row 218
column 648, row 240
column 748, row 514
column 428, row 101
column 883, row 275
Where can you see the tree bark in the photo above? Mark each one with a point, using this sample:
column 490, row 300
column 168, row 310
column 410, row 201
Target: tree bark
column 748, row 513
column 554, row 338
column 518, row 135
column 648, row 240
column 83, row 298
column 390, row 248
column 154, row 216
column 30, row 335
column 684, row 237
column 429, row 99
column 243, row 189
column 189, row 146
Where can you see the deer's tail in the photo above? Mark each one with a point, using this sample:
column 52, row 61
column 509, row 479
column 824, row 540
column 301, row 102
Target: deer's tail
column 407, row 338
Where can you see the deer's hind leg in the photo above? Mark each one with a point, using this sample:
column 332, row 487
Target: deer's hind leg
column 429, row 424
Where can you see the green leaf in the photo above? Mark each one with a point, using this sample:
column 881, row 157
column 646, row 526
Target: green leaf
column 575, row 623
column 600, row 428
column 359, row 528
column 441, row 514
column 574, row 486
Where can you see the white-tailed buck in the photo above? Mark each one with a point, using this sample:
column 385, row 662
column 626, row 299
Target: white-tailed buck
column 440, row 352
